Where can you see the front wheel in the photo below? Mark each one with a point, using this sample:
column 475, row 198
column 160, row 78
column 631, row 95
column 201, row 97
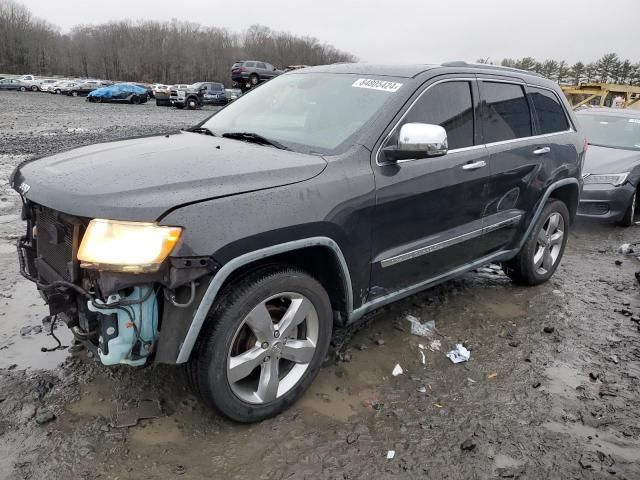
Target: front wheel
column 23, row 89
column 543, row 250
column 34, row 88
column 629, row 218
column 263, row 345
column 192, row 103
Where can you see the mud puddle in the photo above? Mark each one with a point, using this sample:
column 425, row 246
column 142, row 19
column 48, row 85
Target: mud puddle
column 23, row 310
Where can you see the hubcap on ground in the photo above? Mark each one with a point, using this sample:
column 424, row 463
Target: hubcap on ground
column 272, row 348
column 549, row 244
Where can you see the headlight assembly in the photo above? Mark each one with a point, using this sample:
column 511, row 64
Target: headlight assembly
column 615, row 179
column 126, row 246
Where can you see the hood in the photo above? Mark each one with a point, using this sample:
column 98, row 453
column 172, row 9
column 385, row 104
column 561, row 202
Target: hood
column 610, row 160
column 140, row 179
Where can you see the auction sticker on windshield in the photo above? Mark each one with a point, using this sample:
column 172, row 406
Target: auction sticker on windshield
column 372, row 84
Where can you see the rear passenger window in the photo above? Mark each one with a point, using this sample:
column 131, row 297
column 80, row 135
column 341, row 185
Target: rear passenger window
column 449, row 105
column 551, row 116
column 250, row 64
column 506, row 113
column 261, row 65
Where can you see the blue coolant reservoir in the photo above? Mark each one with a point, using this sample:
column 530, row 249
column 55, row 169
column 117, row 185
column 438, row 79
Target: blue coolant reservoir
column 127, row 333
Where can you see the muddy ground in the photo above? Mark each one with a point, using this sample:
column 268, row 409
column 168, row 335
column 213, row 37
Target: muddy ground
column 561, row 403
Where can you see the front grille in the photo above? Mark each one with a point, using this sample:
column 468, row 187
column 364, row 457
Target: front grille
column 55, row 242
column 593, row 208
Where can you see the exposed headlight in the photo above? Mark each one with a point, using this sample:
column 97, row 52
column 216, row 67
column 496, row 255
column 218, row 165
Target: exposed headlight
column 126, row 246
column 615, row 179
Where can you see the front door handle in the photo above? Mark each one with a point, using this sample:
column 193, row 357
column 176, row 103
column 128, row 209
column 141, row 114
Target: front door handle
column 474, row 165
column 541, row 151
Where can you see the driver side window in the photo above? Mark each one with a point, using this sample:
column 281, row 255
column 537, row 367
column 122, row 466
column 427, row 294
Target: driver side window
column 450, row 105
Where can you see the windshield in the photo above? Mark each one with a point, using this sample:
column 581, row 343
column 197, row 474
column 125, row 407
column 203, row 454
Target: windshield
column 309, row 113
column 612, row 131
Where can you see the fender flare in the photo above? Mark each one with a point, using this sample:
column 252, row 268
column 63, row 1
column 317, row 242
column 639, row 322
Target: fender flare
column 211, row 294
column 543, row 202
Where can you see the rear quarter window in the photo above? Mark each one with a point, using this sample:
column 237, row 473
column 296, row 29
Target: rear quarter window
column 250, row 64
column 550, row 114
column 506, row 114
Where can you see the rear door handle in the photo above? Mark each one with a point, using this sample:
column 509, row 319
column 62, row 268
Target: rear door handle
column 474, row 165
column 541, row 151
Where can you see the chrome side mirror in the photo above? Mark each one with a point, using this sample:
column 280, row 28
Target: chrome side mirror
column 418, row 140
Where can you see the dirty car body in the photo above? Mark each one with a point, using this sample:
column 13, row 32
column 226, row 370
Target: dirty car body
column 612, row 165
column 314, row 199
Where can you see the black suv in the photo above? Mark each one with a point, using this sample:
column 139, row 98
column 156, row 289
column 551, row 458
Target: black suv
column 328, row 192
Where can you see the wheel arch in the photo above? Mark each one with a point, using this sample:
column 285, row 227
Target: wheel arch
column 568, row 188
column 321, row 257
column 569, row 194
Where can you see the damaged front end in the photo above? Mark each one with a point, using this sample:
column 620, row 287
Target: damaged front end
column 113, row 284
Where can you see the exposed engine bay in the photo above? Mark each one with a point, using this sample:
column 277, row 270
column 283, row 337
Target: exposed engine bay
column 116, row 315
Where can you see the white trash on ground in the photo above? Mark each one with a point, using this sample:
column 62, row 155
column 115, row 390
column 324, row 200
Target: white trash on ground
column 391, row 454
column 435, row 346
column 397, row 370
column 423, row 359
column 459, row 354
column 625, row 248
column 421, row 329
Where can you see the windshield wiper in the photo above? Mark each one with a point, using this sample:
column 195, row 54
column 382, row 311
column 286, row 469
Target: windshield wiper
column 254, row 138
column 202, row 130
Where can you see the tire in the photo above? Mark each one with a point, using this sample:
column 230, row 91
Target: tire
column 192, row 103
column 630, row 215
column 74, row 94
column 254, row 79
column 34, row 88
column 524, row 269
column 252, row 397
column 23, row 89
column 135, row 100
column 58, row 91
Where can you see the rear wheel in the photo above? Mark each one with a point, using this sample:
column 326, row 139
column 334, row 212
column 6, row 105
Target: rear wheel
column 135, row 100
column 629, row 218
column 543, row 250
column 34, row 88
column 263, row 345
column 23, row 89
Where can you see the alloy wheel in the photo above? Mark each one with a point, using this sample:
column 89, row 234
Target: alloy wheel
column 549, row 244
column 272, row 348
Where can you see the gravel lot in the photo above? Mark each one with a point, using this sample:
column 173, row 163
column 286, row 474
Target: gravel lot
column 552, row 389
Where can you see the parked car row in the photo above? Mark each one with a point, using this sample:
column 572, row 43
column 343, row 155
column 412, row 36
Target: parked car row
column 189, row 96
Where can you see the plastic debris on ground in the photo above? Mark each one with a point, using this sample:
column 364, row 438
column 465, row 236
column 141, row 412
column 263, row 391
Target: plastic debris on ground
column 459, row 354
column 625, row 249
column 391, row 454
column 132, row 414
column 423, row 359
column 397, row 370
column 435, row 346
column 421, row 329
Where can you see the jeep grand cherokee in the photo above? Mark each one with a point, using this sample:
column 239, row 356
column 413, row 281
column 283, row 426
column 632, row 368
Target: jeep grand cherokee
column 236, row 246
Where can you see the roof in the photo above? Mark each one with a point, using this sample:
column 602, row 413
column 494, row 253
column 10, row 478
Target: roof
column 403, row 71
column 613, row 112
column 410, row 71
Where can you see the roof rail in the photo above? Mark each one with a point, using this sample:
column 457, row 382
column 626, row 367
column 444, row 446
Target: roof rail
column 488, row 66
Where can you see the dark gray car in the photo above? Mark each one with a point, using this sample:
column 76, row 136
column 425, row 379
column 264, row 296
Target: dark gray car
column 612, row 165
column 249, row 73
column 328, row 192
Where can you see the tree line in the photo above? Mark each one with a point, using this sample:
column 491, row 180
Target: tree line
column 147, row 51
column 610, row 68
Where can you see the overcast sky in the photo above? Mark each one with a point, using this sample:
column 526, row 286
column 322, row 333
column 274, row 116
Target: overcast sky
column 400, row 31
